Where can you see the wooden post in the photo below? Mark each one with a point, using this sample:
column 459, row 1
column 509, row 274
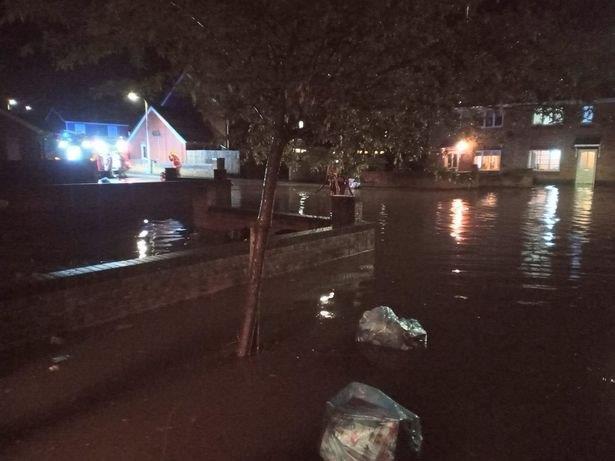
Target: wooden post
column 342, row 210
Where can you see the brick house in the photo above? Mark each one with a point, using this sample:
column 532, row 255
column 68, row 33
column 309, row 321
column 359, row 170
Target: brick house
column 563, row 142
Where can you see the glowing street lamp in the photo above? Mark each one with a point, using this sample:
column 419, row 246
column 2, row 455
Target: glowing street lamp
column 11, row 103
column 28, row 108
column 134, row 97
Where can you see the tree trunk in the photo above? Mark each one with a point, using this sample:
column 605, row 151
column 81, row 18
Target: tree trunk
column 248, row 340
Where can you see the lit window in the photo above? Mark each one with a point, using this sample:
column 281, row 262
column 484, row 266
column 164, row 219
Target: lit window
column 493, row 118
column 488, row 160
column 548, row 116
column 545, row 160
column 79, row 128
column 587, row 115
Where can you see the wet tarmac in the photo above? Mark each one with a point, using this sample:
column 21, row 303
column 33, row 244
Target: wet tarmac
column 514, row 287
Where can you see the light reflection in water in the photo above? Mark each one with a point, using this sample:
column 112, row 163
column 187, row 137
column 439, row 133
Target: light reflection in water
column 382, row 220
column 142, row 248
column 490, row 200
column 581, row 220
column 324, row 310
column 160, row 236
column 459, row 219
column 538, row 229
column 303, row 196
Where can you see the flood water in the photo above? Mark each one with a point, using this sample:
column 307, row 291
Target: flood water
column 516, row 289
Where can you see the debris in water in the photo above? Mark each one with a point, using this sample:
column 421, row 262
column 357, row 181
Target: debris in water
column 53, row 368
column 381, row 327
column 60, row 358
column 364, row 424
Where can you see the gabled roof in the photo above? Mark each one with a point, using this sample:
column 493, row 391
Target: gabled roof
column 189, row 124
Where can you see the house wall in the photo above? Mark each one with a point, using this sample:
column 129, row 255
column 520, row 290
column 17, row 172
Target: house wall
column 518, row 136
column 162, row 142
column 17, row 142
column 105, row 130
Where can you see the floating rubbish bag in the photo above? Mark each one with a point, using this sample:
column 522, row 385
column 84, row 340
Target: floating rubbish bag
column 364, row 424
column 381, row 327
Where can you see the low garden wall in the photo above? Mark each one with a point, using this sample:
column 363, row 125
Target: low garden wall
column 48, row 304
column 448, row 180
column 511, row 178
column 408, row 180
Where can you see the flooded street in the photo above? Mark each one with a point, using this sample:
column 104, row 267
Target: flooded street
column 516, row 289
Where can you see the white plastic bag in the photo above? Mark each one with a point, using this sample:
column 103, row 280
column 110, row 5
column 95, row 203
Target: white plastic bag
column 381, row 327
column 364, row 424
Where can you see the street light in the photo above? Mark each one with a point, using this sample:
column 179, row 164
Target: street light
column 28, row 108
column 134, row 97
column 11, row 103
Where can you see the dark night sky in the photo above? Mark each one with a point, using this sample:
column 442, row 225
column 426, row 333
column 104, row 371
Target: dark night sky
column 32, row 79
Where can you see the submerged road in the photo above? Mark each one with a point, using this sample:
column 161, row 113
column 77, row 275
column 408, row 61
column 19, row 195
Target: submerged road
column 514, row 287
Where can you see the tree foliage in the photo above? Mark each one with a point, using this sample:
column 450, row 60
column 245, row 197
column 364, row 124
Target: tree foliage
column 378, row 75
column 369, row 75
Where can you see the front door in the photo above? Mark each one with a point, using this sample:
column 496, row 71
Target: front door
column 586, row 166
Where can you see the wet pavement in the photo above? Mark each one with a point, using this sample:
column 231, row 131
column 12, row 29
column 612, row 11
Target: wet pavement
column 515, row 289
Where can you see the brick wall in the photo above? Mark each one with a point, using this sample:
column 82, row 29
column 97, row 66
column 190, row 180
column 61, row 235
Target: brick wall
column 517, row 136
column 48, row 304
column 236, row 218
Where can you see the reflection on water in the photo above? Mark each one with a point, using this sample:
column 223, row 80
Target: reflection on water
column 538, row 231
column 459, row 219
column 581, row 221
column 324, row 306
column 142, row 248
column 161, row 236
column 303, row 196
column 488, row 275
column 490, row 200
column 382, row 220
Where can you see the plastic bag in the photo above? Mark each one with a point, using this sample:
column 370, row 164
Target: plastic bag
column 381, row 327
column 364, row 424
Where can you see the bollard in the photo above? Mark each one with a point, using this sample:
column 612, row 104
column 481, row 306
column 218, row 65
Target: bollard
column 342, row 210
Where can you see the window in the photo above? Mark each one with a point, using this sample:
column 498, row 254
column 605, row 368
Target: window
column 545, row 160
column 587, row 115
column 548, row 116
column 144, row 153
column 488, row 160
column 493, row 118
column 79, row 128
column 112, row 131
